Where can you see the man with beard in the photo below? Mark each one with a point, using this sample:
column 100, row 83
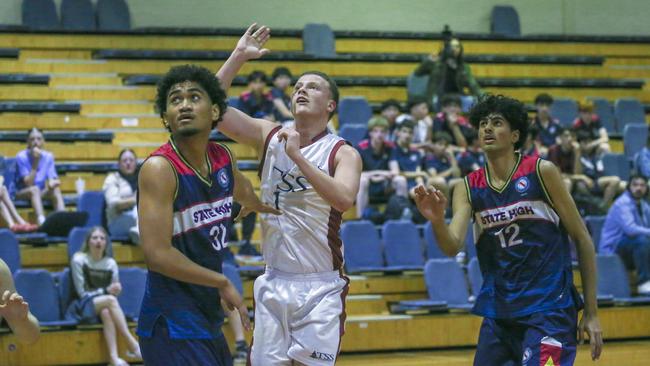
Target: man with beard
column 185, row 197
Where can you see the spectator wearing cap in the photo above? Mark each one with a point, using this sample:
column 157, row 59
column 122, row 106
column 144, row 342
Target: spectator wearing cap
column 377, row 181
column 391, row 109
column 549, row 127
column 451, row 121
column 256, row 102
column 281, row 79
column 589, row 122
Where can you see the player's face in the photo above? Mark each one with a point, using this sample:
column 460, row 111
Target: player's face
column 97, row 243
column 638, row 188
column 127, row 163
column 189, row 109
column 35, row 139
column 312, row 97
column 494, row 133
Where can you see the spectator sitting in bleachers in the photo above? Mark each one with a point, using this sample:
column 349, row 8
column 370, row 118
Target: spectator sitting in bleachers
column 9, row 213
column 15, row 310
column 391, row 109
column 548, row 127
column 530, row 148
column 566, row 155
column 641, row 161
column 473, row 157
column 120, row 192
column 451, row 121
column 447, row 71
column 97, row 285
column 36, row 175
column 626, row 230
column 377, row 181
column 281, row 101
column 256, row 102
column 441, row 165
column 591, row 162
column 588, row 121
column 405, row 160
column 418, row 112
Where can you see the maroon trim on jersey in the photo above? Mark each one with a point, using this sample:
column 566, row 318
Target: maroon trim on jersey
column 332, row 157
column 218, row 156
column 334, row 239
column 527, row 165
column 476, row 179
column 266, row 147
column 343, row 315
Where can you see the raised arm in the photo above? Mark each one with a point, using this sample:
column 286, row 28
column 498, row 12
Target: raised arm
column 566, row 209
column 432, row 203
column 157, row 182
column 15, row 310
column 237, row 125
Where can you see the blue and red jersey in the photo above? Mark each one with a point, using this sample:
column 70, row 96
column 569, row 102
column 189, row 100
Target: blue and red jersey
column 522, row 247
column 202, row 221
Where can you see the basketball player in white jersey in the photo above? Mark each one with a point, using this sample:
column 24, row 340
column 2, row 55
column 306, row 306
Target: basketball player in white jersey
column 312, row 176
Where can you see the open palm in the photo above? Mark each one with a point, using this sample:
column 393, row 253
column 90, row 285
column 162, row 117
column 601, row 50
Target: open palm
column 251, row 44
column 431, row 203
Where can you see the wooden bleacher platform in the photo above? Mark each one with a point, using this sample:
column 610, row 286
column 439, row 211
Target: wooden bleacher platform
column 78, row 76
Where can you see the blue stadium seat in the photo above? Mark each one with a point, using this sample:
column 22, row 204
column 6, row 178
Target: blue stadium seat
column 9, row 174
column 39, row 290
column 446, row 282
column 232, row 273
column 634, row 138
column 628, row 110
column 433, row 250
column 40, row 14
column 470, row 246
column 467, row 102
column 565, row 110
column 353, row 133
column 94, row 204
column 363, row 251
column 113, row 15
column 402, row 245
column 616, row 164
column 318, row 40
column 78, row 15
column 234, row 102
column 9, row 250
column 133, row 282
column 76, row 240
column 504, row 21
column 354, row 110
column 475, row 276
column 613, row 281
column 605, row 112
column 595, row 226
column 65, row 289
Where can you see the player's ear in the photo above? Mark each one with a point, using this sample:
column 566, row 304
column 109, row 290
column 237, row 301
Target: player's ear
column 515, row 136
column 215, row 112
column 331, row 106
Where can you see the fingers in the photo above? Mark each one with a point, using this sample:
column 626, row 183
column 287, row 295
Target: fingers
column 261, row 33
column 251, row 29
column 243, row 314
column 5, row 296
column 596, row 342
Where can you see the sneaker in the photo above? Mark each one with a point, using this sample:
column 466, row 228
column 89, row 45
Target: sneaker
column 248, row 249
column 241, row 353
column 644, row 288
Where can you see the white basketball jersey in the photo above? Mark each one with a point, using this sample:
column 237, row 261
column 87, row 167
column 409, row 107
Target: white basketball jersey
column 305, row 238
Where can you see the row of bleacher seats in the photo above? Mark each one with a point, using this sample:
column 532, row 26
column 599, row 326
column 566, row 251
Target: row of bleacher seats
column 76, row 15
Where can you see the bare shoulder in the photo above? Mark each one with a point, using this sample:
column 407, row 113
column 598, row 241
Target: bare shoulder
column 346, row 152
column 155, row 168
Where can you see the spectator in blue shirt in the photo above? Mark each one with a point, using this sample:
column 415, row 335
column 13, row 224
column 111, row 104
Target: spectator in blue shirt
column 641, row 160
column 406, row 161
column 377, row 181
column 281, row 79
column 473, row 157
column 627, row 230
column 441, row 165
column 36, row 175
column 549, row 128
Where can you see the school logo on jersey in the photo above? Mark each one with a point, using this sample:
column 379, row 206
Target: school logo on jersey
column 222, row 178
column 522, row 184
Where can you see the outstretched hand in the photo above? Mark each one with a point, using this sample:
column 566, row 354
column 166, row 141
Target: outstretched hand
column 431, row 203
column 251, row 44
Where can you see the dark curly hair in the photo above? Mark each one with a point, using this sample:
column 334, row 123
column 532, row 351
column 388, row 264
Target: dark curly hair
column 194, row 73
column 511, row 109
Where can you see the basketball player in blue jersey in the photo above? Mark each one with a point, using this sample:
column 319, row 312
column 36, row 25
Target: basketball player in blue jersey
column 312, row 176
column 521, row 213
column 186, row 191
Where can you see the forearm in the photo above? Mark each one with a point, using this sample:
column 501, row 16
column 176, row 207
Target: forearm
column 172, row 263
column 230, row 68
column 244, row 192
column 125, row 203
column 587, row 264
column 29, row 179
column 26, row 330
column 337, row 195
column 448, row 243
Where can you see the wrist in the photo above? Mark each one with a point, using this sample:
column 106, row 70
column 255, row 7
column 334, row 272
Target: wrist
column 239, row 55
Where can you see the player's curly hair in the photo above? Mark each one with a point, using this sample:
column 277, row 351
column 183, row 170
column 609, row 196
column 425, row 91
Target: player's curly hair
column 511, row 109
column 198, row 74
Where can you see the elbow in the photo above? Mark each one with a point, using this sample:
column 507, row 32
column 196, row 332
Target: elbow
column 343, row 204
